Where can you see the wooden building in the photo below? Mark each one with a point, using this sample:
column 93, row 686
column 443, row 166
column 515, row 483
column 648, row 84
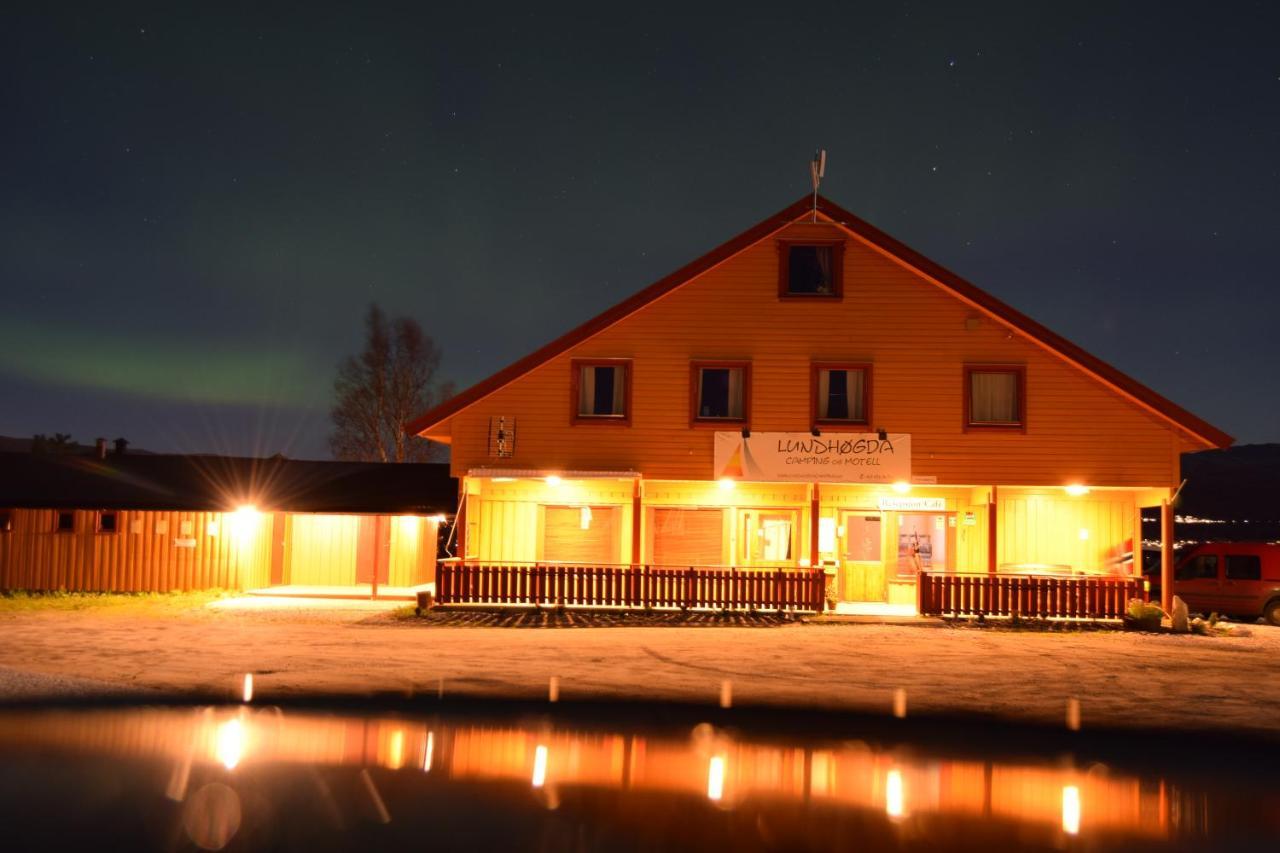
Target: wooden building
column 811, row 394
column 157, row 523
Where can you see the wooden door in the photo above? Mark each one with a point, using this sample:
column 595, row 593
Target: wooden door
column 862, row 557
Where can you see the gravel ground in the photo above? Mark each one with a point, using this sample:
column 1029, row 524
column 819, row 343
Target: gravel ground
column 20, row 686
column 1118, row 678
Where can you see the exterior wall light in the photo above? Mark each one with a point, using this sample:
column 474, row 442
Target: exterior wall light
column 1076, row 490
column 727, row 484
column 553, row 480
column 901, row 487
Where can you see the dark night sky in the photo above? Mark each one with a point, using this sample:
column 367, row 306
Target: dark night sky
column 196, row 205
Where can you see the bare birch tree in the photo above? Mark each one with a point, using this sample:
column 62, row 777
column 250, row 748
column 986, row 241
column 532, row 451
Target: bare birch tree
column 392, row 380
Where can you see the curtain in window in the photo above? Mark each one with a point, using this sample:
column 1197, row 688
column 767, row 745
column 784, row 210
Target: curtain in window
column 735, row 392
column 993, row 398
column 823, row 254
column 619, row 391
column 840, row 395
column 587, row 391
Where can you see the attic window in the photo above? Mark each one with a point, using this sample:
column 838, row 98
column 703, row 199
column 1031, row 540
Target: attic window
column 995, row 397
column 601, row 391
column 810, row 270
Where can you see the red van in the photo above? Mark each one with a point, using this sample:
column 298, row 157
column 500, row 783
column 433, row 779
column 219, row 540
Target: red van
column 1240, row 579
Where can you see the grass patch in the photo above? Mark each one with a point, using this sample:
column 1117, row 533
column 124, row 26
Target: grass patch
column 60, row 600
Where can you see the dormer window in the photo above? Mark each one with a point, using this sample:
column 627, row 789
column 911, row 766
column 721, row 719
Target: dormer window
column 601, row 391
column 810, row 270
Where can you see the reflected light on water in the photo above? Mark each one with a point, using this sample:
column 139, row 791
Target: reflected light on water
column 229, row 746
column 248, row 687
column 1071, row 809
column 539, row 766
column 715, row 778
column 599, row 762
column 894, row 795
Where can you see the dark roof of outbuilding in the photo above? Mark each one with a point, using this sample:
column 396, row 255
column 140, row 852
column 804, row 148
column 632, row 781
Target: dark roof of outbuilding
column 163, row 482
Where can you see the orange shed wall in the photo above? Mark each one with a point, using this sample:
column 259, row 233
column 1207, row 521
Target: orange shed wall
column 914, row 333
column 34, row 557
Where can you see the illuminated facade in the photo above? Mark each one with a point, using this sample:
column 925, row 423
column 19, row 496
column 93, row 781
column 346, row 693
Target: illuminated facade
column 813, row 393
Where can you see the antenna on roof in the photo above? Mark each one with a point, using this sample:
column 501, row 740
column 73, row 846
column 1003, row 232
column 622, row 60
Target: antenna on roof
column 817, row 169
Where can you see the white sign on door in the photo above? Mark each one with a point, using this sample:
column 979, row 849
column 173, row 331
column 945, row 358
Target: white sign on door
column 801, row 457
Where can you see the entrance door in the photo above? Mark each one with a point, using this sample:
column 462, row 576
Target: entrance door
column 861, row 576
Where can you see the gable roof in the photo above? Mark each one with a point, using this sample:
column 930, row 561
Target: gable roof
column 877, row 239
column 220, row 483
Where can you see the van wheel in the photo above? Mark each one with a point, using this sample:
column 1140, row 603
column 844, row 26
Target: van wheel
column 1272, row 612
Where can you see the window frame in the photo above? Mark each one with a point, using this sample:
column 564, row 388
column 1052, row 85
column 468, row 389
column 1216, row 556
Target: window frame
column 695, row 388
column 575, row 386
column 1252, row 559
column 837, row 269
column 57, row 521
column 839, row 424
column 1018, row 370
column 98, row 528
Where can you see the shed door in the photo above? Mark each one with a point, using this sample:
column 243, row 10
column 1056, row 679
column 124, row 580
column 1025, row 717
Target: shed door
column 688, row 537
column 323, row 549
column 580, row 534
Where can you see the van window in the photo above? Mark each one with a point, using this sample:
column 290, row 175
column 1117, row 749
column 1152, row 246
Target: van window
column 1198, row 567
column 1244, row 567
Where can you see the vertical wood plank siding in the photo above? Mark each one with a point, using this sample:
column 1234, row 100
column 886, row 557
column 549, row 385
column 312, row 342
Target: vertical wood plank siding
column 34, row 557
column 322, row 552
column 915, row 336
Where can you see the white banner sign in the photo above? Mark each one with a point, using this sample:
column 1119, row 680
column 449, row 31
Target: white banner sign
column 800, row 457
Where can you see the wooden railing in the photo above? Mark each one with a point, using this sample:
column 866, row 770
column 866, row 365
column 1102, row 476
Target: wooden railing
column 628, row 587
column 1031, row 596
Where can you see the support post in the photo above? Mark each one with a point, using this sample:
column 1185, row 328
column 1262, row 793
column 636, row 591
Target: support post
column 814, row 512
column 993, row 509
column 636, row 527
column 1166, row 555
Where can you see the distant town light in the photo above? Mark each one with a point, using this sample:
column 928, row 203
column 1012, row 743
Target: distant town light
column 727, row 484
column 901, row 487
column 1076, row 490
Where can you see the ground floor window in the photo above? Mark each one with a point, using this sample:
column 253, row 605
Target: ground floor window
column 580, row 534
column 768, row 537
column 687, row 537
column 922, row 543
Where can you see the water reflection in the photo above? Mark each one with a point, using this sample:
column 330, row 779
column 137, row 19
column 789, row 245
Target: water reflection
column 218, row 765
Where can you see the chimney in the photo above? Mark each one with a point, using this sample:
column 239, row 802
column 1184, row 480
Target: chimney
column 121, row 446
column 100, row 447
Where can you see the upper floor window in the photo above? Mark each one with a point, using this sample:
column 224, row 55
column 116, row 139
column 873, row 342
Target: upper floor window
column 602, row 391
column 65, row 522
column 995, row 396
column 721, row 391
column 841, row 394
column 108, row 521
column 6, row 521
column 810, row 269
